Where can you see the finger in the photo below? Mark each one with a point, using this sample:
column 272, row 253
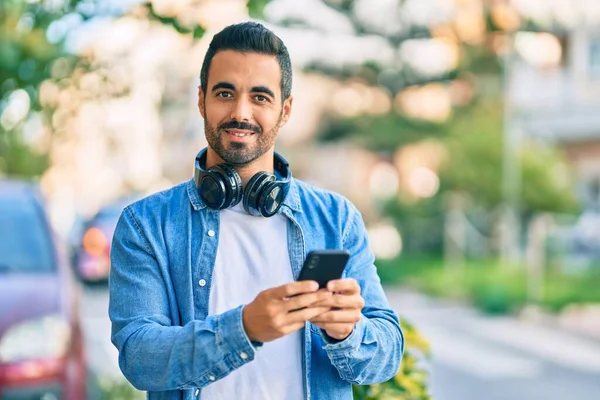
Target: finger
column 342, row 301
column 293, row 288
column 306, row 300
column 337, row 330
column 345, row 316
column 305, row 314
column 294, row 327
column 346, row 286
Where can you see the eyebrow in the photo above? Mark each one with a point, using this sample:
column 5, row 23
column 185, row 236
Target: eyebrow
column 263, row 89
column 255, row 89
column 223, row 85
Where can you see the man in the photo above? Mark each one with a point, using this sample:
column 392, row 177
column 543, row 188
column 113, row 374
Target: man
column 203, row 297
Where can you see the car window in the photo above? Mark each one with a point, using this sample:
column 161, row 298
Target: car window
column 25, row 245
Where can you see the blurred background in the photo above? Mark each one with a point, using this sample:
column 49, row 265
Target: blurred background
column 467, row 132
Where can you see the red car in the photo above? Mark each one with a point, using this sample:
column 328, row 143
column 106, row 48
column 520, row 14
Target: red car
column 92, row 252
column 41, row 343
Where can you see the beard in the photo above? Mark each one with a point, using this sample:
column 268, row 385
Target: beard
column 237, row 153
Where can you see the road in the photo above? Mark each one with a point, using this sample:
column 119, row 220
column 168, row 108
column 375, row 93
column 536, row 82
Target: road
column 475, row 357
column 499, row 358
column 102, row 356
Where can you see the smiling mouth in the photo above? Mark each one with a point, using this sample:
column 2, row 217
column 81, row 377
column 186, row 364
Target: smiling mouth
column 238, row 133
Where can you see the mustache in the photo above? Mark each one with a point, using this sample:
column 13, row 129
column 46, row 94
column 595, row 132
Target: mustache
column 240, row 125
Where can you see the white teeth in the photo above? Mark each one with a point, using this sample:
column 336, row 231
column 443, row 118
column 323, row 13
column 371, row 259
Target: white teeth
column 240, row 134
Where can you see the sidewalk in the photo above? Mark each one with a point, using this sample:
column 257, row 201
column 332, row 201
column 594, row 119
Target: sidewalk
column 579, row 320
column 582, row 320
column 476, row 356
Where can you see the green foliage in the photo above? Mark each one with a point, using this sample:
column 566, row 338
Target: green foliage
column 17, row 159
column 196, row 31
column 547, row 181
column 474, row 154
column 379, row 133
column 576, row 289
column 24, row 50
column 421, row 223
column 255, row 8
column 473, row 142
column 479, row 60
column 489, row 285
column 474, row 164
column 397, row 76
column 26, row 58
column 117, row 389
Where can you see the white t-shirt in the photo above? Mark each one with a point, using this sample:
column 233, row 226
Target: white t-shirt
column 253, row 256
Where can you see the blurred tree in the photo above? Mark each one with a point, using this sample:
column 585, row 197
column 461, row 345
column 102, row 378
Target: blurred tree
column 26, row 57
column 467, row 31
column 32, row 34
column 474, row 164
column 382, row 134
column 459, row 106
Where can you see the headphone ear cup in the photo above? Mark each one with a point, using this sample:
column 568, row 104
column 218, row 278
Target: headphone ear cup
column 270, row 198
column 233, row 186
column 253, row 190
column 212, row 190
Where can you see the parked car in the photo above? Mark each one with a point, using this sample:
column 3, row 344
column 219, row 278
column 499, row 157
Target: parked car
column 41, row 343
column 92, row 252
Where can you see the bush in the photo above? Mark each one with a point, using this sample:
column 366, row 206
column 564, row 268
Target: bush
column 497, row 289
column 115, row 389
column 491, row 286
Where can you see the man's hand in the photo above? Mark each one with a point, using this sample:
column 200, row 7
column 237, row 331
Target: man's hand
column 274, row 313
column 346, row 305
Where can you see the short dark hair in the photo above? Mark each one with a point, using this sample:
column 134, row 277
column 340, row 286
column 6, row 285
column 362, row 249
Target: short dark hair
column 250, row 37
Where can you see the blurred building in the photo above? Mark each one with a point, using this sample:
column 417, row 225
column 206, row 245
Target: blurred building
column 554, row 92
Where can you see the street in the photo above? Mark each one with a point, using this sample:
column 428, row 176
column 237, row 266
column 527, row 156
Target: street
column 499, row 358
column 102, row 356
column 475, row 357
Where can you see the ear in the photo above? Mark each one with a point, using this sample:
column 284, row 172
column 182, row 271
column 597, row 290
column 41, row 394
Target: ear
column 201, row 104
column 286, row 112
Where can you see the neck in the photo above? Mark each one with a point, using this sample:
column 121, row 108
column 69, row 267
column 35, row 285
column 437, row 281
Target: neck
column 246, row 172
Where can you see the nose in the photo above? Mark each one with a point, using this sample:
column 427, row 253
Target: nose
column 242, row 110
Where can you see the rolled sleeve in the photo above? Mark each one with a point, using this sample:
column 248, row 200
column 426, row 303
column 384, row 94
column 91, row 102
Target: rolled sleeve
column 345, row 347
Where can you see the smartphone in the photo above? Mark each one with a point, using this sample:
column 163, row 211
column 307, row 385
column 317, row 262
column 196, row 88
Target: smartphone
column 323, row 266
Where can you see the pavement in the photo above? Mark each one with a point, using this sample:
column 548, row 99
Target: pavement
column 102, row 356
column 481, row 357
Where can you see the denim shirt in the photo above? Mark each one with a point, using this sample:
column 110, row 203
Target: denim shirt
column 162, row 257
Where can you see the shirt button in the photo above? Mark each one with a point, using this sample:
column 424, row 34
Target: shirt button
column 211, row 233
column 202, row 282
column 197, row 392
column 243, row 355
column 211, row 378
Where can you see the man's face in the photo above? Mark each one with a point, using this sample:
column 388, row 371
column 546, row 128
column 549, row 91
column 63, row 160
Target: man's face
column 242, row 107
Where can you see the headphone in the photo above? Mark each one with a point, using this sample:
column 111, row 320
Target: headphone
column 220, row 186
